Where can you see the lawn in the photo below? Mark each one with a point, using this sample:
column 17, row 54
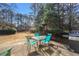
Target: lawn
column 7, row 40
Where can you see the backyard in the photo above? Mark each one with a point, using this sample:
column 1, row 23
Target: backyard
column 39, row 29
column 16, row 42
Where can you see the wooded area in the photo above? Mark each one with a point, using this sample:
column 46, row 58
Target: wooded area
column 56, row 16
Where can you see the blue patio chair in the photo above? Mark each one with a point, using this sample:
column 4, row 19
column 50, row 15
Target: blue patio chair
column 47, row 39
column 30, row 43
column 6, row 52
column 37, row 34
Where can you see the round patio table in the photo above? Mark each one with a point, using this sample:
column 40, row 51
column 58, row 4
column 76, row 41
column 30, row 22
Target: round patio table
column 38, row 38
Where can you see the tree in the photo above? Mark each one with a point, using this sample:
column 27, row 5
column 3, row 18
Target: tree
column 58, row 15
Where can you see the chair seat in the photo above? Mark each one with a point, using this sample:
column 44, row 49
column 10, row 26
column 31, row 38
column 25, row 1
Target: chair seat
column 44, row 41
column 47, row 39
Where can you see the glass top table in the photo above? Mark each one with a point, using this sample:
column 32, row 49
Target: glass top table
column 38, row 38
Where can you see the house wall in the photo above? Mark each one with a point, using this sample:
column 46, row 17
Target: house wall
column 74, row 45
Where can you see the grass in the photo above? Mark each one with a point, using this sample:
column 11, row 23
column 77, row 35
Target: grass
column 7, row 40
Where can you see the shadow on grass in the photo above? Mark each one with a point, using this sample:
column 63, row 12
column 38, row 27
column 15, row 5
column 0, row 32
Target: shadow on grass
column 35, row 53
column 45, row 50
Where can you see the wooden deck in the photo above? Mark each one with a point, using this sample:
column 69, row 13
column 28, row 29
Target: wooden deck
column 20, row 49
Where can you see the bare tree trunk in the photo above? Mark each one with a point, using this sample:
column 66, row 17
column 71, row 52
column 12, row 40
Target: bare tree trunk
column 70, row 16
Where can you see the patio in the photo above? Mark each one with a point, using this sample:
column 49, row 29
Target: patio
column 21, row 50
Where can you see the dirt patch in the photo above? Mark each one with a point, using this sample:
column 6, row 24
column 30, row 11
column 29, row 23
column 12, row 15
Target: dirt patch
column 7, row 40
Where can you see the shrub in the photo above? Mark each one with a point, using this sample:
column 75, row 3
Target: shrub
column 33, row 31
column 54, row 31
column 8, row 31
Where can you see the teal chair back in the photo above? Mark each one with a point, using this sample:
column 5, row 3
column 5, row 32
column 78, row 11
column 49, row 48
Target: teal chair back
column 48, row 37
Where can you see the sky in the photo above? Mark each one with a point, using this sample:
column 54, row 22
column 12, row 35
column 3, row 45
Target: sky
column 23, row 8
